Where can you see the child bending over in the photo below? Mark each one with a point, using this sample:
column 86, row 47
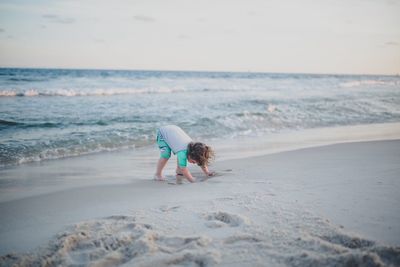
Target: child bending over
column 173, row 138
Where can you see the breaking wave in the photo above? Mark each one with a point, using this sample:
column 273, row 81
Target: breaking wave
column 96, row 92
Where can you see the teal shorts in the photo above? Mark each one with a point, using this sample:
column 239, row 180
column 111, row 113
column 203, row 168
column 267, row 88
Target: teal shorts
column 163, row 146
column 165, row 151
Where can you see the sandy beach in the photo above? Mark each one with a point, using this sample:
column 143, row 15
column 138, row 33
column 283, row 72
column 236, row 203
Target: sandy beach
column 333, row 205
column 276, row 125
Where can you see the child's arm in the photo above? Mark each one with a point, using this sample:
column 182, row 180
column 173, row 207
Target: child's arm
column 187, row 174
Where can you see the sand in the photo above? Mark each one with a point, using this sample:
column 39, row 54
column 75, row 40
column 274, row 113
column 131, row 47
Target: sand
column 335, row 205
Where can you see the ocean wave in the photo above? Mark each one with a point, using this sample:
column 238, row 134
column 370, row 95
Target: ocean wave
column 21, row 79
column 97, row 92
column 272, row 89
column 358, row 83
column 8, row 123
column 10, row 156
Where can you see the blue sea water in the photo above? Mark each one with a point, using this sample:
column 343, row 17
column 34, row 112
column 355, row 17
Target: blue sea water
column 56, row 113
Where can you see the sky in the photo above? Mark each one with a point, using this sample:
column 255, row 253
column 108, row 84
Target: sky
column 296, row 36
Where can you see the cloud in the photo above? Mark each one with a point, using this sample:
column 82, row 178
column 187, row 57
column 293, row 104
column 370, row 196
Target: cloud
column 2, row 30
column 57, row 19
column 144, row 18
column 392, row 43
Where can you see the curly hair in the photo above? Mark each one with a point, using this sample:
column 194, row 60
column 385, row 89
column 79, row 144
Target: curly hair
column 201, row 153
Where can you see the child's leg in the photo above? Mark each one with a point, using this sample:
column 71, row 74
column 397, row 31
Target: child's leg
column 160, row 166
column 165, row 154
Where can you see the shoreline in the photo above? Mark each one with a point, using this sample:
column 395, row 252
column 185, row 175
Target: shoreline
column 292, row 193
column 125, row 166
column 263, row 144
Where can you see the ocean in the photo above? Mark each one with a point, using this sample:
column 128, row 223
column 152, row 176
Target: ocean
column 57, row 113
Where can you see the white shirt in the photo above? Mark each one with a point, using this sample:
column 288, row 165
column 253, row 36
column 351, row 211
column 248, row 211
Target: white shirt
column 175, row 137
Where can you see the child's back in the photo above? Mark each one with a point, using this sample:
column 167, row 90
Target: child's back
column 175, row 137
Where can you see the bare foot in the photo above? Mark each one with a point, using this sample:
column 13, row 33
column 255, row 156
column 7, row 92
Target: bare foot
column 159, row 177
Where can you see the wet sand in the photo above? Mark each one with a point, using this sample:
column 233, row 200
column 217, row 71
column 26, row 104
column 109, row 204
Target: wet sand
column 326, row 206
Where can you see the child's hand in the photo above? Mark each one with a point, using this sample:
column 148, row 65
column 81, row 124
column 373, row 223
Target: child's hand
column 186, row 173
column 212, row 173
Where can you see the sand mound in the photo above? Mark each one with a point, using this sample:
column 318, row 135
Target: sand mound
column 115, row 241
column 339, row 249
column 278, row 234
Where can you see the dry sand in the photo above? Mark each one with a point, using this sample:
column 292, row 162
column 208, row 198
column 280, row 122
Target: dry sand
column 336, row 205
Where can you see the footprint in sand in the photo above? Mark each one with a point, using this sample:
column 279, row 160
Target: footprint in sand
column 348, row 241
column 169, row 208
column 221, row 219
column 241, row 238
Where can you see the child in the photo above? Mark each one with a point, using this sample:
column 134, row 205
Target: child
column 172, row 138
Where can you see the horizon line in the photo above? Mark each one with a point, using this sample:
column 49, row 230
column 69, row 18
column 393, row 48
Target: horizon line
column 204, row 71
